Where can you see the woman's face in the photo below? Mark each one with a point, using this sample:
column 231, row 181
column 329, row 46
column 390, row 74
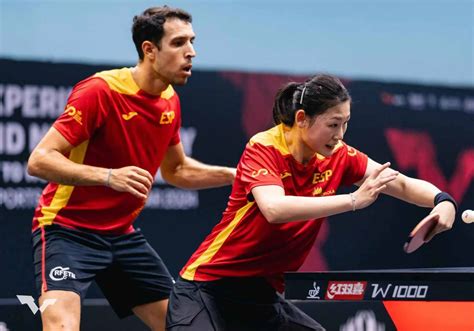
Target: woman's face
column 325, row 131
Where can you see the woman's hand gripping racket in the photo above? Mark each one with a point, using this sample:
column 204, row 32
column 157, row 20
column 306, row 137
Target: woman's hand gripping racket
column 420, row 233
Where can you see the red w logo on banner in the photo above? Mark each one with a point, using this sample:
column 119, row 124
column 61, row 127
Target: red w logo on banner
column 414, row 150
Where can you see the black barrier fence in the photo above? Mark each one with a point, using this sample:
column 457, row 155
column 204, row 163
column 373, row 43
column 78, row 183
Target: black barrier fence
column 425, row 131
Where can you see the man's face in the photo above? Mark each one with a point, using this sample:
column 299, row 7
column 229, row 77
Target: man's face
column 173, row 61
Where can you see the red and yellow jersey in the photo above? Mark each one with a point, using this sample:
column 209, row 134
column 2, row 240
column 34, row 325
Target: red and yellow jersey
column 112, row 124
column 244, row 243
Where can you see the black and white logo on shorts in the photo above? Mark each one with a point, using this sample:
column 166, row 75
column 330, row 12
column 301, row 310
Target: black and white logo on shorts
column 59, row 273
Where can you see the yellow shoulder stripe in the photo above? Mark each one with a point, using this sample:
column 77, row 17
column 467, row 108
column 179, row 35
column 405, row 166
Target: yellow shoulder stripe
column 121, row 81
column 168, row 93
column 273, row 137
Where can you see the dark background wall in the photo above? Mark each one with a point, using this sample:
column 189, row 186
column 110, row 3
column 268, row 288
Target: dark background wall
column 425, row 131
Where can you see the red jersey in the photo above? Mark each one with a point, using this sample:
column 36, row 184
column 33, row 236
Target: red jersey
column 112, row 124
column 244, row 243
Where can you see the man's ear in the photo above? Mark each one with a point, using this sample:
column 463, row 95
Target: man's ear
column 148, row 50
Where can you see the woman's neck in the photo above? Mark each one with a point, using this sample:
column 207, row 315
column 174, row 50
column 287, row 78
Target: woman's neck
column 296, row 145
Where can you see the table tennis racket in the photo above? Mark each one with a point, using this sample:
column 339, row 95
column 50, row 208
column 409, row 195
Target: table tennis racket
column 418, row 235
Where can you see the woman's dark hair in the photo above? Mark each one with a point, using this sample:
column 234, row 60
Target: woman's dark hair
column 149, row 25
column 316, row 95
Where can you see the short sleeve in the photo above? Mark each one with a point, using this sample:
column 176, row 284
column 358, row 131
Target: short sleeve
column 85, row 111
column 176, row 138
column 259, row 166
column 355, row 165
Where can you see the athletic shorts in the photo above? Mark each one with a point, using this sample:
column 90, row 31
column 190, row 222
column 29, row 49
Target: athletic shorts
column 126, row 268
column 233, row 304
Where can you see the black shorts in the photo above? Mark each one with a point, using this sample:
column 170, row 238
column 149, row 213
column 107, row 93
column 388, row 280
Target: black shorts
column 233, row 304
column 125, row 267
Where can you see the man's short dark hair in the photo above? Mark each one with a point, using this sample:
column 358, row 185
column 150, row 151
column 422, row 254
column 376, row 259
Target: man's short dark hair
column 149, row 25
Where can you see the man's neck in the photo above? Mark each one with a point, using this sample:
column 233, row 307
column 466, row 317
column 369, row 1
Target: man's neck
column 147, row 80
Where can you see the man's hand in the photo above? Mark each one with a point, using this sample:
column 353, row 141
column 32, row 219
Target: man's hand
column 134, row 180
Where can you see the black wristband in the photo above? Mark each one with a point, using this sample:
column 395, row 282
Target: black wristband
column 443, row 196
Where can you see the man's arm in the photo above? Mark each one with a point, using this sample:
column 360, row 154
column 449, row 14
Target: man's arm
column 182, row 171
column 48, row 161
